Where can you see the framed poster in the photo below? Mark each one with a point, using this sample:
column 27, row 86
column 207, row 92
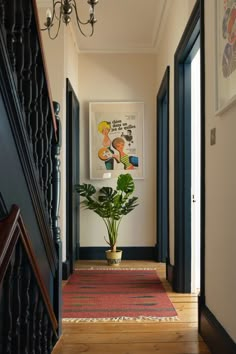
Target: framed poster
column 116, row 139
column 225, row 55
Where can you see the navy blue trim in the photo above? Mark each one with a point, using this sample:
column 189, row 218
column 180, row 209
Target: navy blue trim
column 215, row 336
column 129, row 253
column 72, row 174
column 163, row 168
column 170, row 272
column 66, row 270
column 187, row 46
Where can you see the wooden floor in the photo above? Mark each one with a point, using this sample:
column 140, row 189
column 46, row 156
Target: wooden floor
column 132, row 337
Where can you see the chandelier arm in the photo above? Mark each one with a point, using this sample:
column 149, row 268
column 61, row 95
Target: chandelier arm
column 58, row 28
column 49, row 24
column 83, row 33
column 55, row 4
column 73, row 3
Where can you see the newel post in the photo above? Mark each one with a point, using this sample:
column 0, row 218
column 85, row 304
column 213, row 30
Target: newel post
column 56, row 191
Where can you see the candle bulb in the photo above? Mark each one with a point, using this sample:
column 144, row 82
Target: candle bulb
column 48, row 14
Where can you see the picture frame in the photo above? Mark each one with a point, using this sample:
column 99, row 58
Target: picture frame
column 225, row 55
column 116, row 139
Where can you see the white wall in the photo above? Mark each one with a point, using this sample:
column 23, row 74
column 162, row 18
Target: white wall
column 220, row 194
column 121, row 77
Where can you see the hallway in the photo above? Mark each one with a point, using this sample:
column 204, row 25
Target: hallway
column 132, row 337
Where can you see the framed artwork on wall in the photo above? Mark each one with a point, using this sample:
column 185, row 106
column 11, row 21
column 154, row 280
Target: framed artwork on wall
column 225, row 55
column 116, row 139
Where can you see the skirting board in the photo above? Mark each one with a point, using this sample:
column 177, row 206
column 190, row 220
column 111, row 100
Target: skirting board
column 129, row 253
column 169, row 272
column 213, row 333
column 65, row 270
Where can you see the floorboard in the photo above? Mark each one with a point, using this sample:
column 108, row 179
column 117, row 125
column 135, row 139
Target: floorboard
column 130, row 337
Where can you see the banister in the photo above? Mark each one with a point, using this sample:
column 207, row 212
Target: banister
column 30, row 274
column 12, row 230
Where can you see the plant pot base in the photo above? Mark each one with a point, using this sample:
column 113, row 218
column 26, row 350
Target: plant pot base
column 113, row 258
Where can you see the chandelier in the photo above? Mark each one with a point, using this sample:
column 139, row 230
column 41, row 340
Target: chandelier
column 62, row 11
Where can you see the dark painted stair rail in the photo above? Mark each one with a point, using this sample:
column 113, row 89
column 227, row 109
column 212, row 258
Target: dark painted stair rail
column 20, row 32
column 26, row 94
column 28, row 324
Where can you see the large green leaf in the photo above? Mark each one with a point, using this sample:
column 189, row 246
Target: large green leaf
column 125, row 183
column 85, row 190
column 107, row 194
column 129, row 205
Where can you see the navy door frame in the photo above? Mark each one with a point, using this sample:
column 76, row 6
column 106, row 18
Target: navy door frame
column 163, row 169
column 192, row 39
column 72, row 177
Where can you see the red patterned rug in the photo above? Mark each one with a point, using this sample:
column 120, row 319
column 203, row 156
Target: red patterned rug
column 115, row 295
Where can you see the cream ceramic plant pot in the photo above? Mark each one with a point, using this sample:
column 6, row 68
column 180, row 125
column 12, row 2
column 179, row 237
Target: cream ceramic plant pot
column 113, row 258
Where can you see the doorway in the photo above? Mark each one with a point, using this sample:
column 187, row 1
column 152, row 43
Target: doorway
column 72, row 178
column 163, row 169
column 188, row 161
column 195, row 172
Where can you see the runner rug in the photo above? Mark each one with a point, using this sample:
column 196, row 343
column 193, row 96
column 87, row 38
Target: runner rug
column 115, row 295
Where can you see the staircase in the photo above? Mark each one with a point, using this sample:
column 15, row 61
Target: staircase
column 30, row 141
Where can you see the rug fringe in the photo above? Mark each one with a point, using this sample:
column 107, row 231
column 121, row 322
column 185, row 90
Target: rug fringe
column 122, row 319
column 113, row 268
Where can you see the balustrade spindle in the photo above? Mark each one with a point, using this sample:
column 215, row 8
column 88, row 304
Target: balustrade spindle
column 2, row 17
column 50, row 340
column 25, row 328
column 34, row 102
column 27, row 83
column 7, row 312
column 45, row 140
column 50, row 171
column 56, row 148
column 2, row 12
column 34, row 300
column 40, row 146
column 19, row 48
column 45, row 332
column 39, row 327
column 10, row 8
column 17, row 278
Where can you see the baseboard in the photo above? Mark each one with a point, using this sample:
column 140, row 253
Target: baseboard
column 129, row 253
column 65, row 270
column 217, row 339
column 169, row 272
column 77, row 250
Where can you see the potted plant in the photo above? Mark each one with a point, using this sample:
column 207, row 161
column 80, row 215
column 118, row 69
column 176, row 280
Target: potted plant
column 111, row 205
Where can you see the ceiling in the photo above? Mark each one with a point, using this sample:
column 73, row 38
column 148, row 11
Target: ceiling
column 123, row 26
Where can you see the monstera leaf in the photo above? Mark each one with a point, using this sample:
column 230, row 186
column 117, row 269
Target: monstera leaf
column 107, row 194
column 125, row 183
column 85, row 190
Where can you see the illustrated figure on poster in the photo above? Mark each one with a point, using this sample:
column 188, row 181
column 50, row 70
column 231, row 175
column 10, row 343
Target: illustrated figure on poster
column 129, row 162
column 128, row 136
column 229, row 34
column 106, row 153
